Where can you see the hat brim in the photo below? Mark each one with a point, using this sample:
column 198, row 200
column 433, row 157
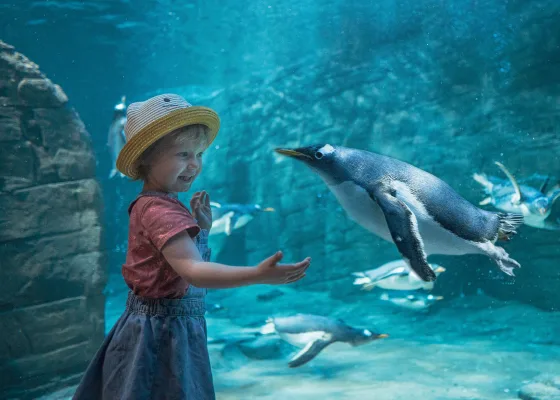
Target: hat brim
column 133, row 148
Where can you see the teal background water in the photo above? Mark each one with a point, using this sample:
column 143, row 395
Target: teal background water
column 447, row 86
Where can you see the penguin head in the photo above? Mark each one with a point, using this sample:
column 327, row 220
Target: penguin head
column 324, row 159
column 540, row 206
column 365, row 336
column 431, row 298
column 256, row 208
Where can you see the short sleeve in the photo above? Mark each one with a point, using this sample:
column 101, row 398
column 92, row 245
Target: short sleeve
column 163, row 218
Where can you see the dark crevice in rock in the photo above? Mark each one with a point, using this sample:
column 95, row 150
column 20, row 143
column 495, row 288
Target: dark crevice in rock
column 4, row 91
column 23, row 331
column 29, row 128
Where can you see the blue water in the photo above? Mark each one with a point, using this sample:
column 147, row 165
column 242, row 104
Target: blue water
column 447, row 86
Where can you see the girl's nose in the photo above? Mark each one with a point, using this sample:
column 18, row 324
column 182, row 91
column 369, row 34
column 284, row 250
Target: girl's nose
column 193, row 164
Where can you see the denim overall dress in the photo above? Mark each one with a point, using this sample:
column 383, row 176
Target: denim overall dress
column 156, row 350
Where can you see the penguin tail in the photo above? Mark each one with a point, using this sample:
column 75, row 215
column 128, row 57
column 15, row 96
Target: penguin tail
column 509, row 222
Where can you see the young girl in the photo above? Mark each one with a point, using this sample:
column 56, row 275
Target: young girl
column 157, row 349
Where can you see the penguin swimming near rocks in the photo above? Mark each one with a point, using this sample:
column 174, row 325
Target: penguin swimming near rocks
column 116, row 137
column 416, row 301
column 314, row 333
column 418, row 212
column 228, row 217
column 394, row 275
column 508, row 195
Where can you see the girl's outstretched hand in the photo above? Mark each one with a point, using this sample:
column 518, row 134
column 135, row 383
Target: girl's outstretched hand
column 272, row 273
column 200, row 206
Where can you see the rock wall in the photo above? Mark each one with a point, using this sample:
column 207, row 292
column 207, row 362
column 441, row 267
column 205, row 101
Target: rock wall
column 52, row 258
column 448, row 98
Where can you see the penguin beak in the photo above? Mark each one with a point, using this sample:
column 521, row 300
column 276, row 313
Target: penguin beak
column 291, row 153
column 269, row 209
column 382, row 336
column 439, row 270
column 438, row 297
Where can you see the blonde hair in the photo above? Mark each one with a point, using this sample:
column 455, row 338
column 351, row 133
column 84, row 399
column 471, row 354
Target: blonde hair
column 190, row 132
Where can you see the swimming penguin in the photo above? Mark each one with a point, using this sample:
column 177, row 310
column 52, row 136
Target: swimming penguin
column 314, row 333
column 510, row 196
column 227, row 217
column 116, row 138
column 394, row 275
column 416, row 301
column 410, row 207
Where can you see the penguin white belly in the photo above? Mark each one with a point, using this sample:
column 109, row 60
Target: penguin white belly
column 411, row 305
column 242, row 221
column 361, row 208
column 507, row 206
column 404, row 283
column 302, row 339
column 364, row 211
column 529, row 219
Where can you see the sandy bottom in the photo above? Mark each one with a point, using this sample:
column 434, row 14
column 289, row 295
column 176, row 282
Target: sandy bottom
column 468, row 348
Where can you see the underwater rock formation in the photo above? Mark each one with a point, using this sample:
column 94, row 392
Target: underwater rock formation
column 52, row 253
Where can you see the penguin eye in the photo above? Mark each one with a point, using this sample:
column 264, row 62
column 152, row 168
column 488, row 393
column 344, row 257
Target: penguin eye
column 318, row 155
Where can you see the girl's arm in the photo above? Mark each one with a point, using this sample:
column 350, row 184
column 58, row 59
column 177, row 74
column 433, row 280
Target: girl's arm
column 183, row 256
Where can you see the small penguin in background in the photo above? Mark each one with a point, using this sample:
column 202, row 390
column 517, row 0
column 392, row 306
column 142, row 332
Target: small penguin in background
column 508, row 195
column 394, row 275
column 116, row 137
column 229, row 217
column 313, row 333
column 415, row 210
column 417, row 301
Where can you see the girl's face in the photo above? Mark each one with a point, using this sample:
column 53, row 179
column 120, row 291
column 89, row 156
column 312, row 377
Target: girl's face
column 175, row 168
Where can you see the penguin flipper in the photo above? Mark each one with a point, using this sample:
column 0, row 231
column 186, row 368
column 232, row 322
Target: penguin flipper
column 403, row 227
column 309, row 352
column 543, row 187
column 230, row 223
column 400, row 271
column 518, row 197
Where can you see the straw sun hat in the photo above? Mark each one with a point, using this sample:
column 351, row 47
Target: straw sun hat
column 150, row 120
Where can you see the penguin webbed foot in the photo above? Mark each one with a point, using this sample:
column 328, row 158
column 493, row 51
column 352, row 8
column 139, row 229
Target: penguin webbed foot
column 403, row 226
column 505, row 262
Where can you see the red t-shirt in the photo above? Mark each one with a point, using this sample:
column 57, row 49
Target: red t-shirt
column 153, row 221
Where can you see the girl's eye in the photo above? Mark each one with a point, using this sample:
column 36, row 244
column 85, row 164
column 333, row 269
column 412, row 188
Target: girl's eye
column 183, row 154
column 199, row 155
